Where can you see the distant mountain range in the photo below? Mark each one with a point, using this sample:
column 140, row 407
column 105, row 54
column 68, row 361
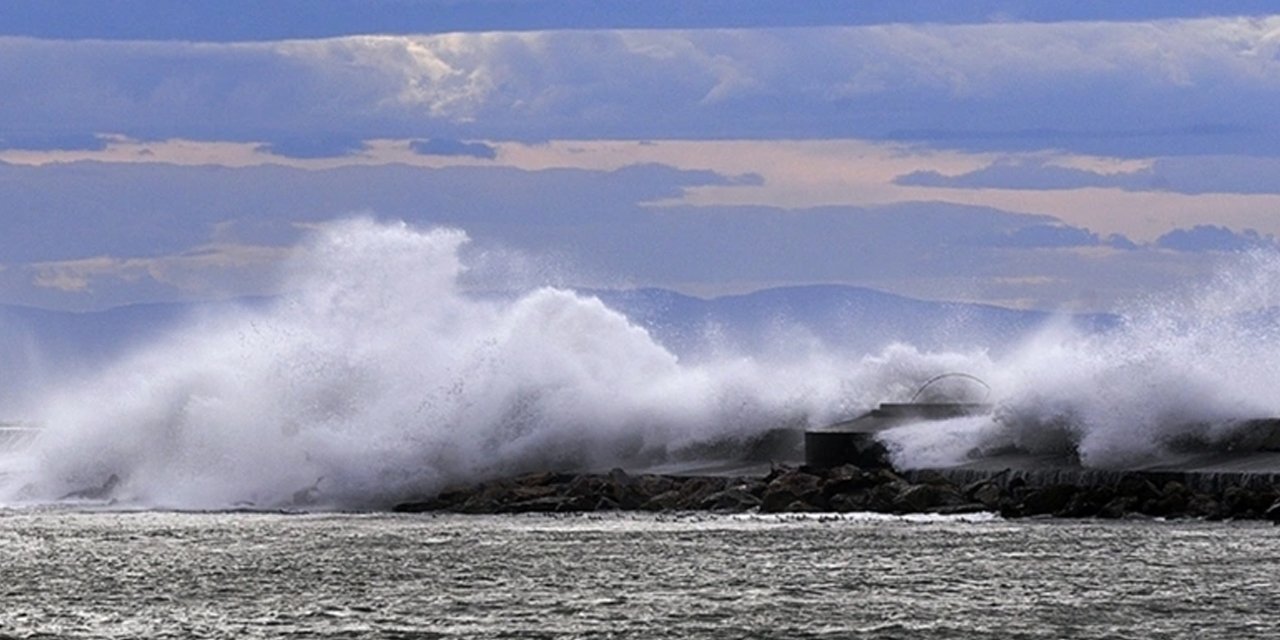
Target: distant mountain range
column 844, row 317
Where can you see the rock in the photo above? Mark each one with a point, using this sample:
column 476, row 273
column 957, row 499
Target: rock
column 1047, row 500
column 926, row 497
column 650, row 485
column 585, row 485
column 986, row 493
column 695, row 490
column 523, row 493
column 733, row 499
column 1172, row 502
column 1273, row 512
column 846, row 502
column 548, row 504
column 1118, row 507
column 791, row 487
column 882, row 476
column 1136, row 487
column 800, row 506
column 847, row 479
column 576, row 504
column 666, row 501
column 542, row 479
column 843, row 472
column 962, row 508
column 915, row 498
column 883, row 497
column 1239, row 502
column 933, row 478
column 1087, row 502
column 1201, row 505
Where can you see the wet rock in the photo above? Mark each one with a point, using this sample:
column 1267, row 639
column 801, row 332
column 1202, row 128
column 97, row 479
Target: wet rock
column 734, row 499
column 800, row 506
column 881, row 476
column 847, row 479
column 791, row 487
column 1172, row 503
column 932, row 478
column 843, row 472
column 521, row 493
column 1047, row 500
column 846, row 502
column 926, row 497
column 1136, row 487
column 985, row 493
column 547, row 504
column 1240, row 502
column 585, row 485
column 1087, row 502
column 1273, row 512
column 651, row 485
column 666, row 501
column 1118, row 507
column 542, row 479
column 1202, row 505
column 695, row 490
column 883, row 497
column 962, row 508
column 576, row 504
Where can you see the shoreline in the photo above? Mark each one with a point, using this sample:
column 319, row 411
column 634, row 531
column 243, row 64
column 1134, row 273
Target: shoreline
column 847, row 488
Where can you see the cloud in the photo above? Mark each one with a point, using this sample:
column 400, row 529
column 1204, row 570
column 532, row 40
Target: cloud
column 1008, row 173
column 1107, row 88
column 1048, row 236
column 1214, row 238
column 317, row 146
column 447, row 147
column 53, row 141
column 1187, row 175
column 203, row 271
column 111, row 233
column 299, row 19
column 63, row 212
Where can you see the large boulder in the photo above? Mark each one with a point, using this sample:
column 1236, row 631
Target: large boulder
column 733, row 499
column 1047, row 500
column 926, row 497
column 789, row 488
column 672, row 500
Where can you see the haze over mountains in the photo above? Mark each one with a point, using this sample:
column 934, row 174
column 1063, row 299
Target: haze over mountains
column 841, row 317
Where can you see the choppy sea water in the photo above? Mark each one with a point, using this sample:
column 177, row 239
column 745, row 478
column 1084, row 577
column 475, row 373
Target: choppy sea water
column 115, row 575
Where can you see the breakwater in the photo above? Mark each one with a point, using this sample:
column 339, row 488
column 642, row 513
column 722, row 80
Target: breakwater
column 848, row 488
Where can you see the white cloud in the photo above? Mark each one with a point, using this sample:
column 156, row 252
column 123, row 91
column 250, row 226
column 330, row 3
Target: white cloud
column 1001, row 81
column 209, row 270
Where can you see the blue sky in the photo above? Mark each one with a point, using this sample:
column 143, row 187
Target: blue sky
column 1054, row 155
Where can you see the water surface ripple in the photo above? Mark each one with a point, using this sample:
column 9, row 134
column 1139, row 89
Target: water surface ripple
column 181, row 575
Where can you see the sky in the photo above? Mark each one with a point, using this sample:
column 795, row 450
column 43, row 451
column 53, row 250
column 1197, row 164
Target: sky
column 1052, row 155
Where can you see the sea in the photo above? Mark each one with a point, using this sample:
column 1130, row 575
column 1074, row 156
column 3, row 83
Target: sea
column 154, row 574
column 382, row 375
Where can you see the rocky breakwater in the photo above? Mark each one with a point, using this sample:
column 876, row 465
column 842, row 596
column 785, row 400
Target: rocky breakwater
column 847, row 488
